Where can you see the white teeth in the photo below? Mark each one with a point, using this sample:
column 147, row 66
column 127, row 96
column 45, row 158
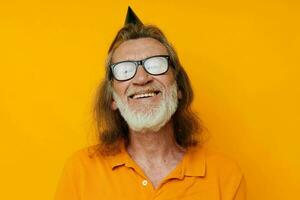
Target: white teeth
column 143, row 95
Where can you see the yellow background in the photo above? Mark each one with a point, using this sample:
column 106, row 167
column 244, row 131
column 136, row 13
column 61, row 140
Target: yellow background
column 242, row 58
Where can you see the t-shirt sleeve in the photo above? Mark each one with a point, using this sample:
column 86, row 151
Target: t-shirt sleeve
column 67, row 184
column 232, row 179
column 241, row 193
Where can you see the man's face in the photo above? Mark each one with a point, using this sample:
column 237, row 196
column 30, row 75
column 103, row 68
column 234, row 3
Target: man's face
column 145, row 96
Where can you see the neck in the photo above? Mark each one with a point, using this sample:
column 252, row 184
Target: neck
column 162, row 144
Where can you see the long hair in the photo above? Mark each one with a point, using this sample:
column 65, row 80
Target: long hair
column 112, row 129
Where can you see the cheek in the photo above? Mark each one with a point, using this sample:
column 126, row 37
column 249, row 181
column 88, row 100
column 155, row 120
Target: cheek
column 170, row 76
column 167, row 80
column 120, row 87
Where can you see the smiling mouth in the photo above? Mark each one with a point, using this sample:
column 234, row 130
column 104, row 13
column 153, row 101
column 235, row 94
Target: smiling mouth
column 141, row 95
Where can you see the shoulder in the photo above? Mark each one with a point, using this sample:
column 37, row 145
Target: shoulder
column 217, row 163
column 83, row 158
column 220, row 170
column 221, row 161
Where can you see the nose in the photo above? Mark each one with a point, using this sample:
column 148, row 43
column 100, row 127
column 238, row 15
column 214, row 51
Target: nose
column 141, row 77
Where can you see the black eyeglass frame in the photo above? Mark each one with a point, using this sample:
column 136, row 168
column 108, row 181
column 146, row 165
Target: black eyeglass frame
column 137, row 64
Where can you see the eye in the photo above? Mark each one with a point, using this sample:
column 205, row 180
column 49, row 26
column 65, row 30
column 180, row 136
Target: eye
column 156, row 65
column 124, row 70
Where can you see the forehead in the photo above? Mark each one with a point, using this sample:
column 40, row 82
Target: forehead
column 138, row 49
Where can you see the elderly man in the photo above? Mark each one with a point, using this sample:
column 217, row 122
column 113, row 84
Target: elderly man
column 148, row 136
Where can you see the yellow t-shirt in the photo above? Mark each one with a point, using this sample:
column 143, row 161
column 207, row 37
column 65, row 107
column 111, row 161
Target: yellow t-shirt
column 202, row 174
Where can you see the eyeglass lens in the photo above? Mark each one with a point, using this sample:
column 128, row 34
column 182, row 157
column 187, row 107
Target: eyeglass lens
column 154, row 65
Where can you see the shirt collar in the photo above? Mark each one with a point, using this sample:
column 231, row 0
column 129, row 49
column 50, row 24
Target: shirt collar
column 193, row 163
column 120, row 159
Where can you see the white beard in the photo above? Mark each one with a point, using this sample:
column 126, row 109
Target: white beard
column 148, row 116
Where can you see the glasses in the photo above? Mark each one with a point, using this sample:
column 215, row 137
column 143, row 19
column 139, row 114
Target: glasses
column 154, row 65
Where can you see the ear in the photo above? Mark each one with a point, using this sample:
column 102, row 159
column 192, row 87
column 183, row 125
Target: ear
column 113, row 105
column 179, row 94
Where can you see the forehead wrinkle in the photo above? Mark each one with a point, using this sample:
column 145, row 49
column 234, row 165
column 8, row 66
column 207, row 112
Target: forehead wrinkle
column 138, row 49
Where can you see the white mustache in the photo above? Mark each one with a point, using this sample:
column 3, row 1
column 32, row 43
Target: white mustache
column 140, row 90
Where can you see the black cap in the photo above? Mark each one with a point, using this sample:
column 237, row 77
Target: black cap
column 131, row 18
